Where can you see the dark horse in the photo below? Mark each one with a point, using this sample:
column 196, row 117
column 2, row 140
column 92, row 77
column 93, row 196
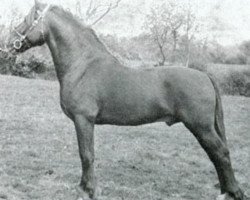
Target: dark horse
column 95, row 88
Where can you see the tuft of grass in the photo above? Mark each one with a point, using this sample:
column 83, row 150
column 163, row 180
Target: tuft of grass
column 39, row 155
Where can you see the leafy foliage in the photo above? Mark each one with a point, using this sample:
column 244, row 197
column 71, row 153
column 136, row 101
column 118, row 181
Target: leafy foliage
column 6, row 62
column 234, row 84
column 168, row 38
column 93, row 11
column 29, row 68
column 232, row 79
column 163, row 24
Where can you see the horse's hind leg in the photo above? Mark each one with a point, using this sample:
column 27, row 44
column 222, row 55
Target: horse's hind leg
column 218, row 153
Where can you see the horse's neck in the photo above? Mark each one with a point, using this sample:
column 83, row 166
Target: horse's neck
column 72, row 46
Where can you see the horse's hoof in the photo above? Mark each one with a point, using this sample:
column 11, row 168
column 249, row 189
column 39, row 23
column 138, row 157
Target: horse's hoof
column 224, row 197
column 85, row 198
column 82, row 195
column 228, row 197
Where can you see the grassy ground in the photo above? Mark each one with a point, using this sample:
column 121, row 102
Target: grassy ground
column 39, row 156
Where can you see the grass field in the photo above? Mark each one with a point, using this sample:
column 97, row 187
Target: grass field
column 39, row 155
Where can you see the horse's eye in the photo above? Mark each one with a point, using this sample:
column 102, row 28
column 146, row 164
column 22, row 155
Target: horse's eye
column 38, row 12
column 25, row 20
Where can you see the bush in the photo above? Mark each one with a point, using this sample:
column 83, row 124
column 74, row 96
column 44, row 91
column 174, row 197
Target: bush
column 36, row 65
column 198, row 66
column 21, row 69
column 247, row 90
column 6, row 62
column 238, row 59
column 234, row 84
column 29, row 68
column 49, row 74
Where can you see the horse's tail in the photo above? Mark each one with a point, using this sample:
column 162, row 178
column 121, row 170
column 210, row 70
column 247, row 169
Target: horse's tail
column 219, row 118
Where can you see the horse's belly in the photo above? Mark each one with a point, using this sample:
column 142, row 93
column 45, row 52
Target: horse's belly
column 128, row 121
column 143, row 113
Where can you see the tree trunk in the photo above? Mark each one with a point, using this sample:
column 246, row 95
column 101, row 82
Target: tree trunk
column 162, row 62
column 188, row 53
column 174, row 47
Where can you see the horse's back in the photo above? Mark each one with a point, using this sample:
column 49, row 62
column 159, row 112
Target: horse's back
column 183, row 78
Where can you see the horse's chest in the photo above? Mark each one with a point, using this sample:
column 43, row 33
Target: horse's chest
column 78, row 101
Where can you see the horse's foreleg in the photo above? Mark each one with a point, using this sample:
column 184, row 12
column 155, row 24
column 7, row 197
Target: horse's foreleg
column 218, row 153
column 85, row 137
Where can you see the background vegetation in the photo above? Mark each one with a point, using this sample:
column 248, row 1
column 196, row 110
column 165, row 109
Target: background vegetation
column 172, row 35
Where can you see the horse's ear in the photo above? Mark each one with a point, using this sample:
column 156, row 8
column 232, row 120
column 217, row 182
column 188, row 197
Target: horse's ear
column 37, row 4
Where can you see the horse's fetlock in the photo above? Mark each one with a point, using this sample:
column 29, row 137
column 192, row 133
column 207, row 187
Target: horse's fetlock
column 88, row 187
column 226, row 152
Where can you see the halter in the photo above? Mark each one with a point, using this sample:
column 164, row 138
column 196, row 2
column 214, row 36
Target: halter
column 18, row 43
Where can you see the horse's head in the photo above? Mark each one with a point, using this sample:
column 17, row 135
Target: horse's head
column 31, row 32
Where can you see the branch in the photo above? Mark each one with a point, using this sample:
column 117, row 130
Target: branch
column 102, row 16
column 110, row 7
column 116, row 4
column 93, row 10
column 164, row 36
column 89, row 8
column 178, row 25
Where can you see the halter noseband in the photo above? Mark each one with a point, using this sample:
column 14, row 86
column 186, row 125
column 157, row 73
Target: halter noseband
column 18, row 43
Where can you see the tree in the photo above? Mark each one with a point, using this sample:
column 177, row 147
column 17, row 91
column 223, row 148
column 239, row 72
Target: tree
column 245, row 50
column 164, row 23
column 6, row 27
column 95, row 10
column 191, row 27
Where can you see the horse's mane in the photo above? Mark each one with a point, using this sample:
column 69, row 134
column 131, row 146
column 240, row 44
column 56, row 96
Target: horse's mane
column 74, row 20
column 67, row 14
column 84, row 29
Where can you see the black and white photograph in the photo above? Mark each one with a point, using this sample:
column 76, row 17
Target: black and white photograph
column 125, row 100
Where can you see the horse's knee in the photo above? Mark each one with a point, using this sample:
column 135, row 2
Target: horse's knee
column 225, row 152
